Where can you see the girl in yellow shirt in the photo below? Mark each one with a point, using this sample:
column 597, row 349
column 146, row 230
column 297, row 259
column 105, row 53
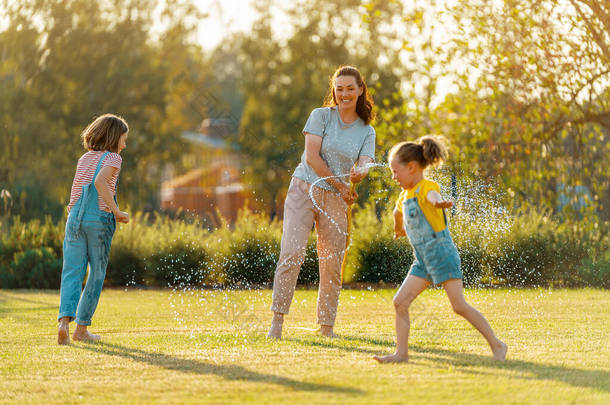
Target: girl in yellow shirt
column 419, row 215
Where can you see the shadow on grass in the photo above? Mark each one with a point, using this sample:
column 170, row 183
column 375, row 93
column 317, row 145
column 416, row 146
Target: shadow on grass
column 18, row 295
column 319, row 341
column 596, row 379
column 229, row 372
column 6, row 298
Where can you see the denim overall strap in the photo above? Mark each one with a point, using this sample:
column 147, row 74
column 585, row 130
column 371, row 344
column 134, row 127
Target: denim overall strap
column 416, row 224
column 86, row 203
column 446, row 219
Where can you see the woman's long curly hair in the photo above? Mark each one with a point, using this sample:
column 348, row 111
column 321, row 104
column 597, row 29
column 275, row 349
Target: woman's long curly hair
column 364, row 105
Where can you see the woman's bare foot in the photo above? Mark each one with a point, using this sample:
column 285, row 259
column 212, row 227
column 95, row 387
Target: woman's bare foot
column 275, row 332
column 392, row 358
column 63, row 333
column 500, row 351
column 83, row 335
column 327, row 331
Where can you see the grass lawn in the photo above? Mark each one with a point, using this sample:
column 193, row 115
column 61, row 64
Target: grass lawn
column 209, row 347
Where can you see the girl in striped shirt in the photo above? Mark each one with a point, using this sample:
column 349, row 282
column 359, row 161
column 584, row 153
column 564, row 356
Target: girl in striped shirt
column 92, row 216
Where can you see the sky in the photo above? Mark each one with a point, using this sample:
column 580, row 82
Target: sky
column 224, row 16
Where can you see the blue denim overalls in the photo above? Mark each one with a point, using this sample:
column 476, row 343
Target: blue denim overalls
column 89, row 232
column 436, row 257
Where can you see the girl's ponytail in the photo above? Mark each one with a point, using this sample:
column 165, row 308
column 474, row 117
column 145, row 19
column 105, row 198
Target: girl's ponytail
column 434, row 150
column 428, row 150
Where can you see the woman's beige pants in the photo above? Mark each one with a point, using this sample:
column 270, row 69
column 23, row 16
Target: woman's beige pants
column 330, row 219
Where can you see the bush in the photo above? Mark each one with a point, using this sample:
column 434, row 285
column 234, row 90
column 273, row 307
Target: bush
column 469, row 238
column 386, row 260
column 310, row 270
column 33, row 200
column 179, row 264
column 158, row 251
column 30, row 254
column 126, row 266
column 536, row 251
column 251, row 261
column 529, row 249
column 32, row 268
column 372, row 250
column 248, row 253
column 376, row 256
column 596, row 272
column 472, row 263
column 34, row 234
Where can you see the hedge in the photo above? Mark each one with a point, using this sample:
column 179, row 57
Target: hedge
column 529, row 249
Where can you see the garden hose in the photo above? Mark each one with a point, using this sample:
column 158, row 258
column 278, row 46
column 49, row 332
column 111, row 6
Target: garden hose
column 349, row 231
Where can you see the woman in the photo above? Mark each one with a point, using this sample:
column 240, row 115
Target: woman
column 337, row 136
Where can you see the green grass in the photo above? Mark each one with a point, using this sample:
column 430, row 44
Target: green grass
column 209, row 347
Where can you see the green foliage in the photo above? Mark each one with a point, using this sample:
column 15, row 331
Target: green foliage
column 373, row 254
column 469, row 238
column 32, row 235
column 529, row 106
column 283, row 79
column 377, row 256
column 32, row 268
column 310, row 271
column 251, row 261
column 386, row 260
column 159, row 251
column 596, row 272
column 538, row 251
column 125, row 266
column 179, row 264
column 63, row 63
column 526, row 250
column 248, row 253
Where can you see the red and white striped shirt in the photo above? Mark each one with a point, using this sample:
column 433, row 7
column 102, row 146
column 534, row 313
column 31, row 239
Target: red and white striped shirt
column 85, row 169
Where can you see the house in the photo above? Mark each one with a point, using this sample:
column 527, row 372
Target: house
column 214, row 187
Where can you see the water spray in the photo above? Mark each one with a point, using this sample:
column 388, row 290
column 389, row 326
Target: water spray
column 349, row 210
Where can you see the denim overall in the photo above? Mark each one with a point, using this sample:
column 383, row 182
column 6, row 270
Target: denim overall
column 436, row 257
column 89, row 232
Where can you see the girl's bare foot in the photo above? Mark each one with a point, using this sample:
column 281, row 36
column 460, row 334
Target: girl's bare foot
column 63, row 333
column 392, row 358
column 500, row 351
column 85, row 336
column 326, row 330
column 275, row 332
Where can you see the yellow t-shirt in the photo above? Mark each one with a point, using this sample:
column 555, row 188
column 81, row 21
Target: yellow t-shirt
column 433, row 215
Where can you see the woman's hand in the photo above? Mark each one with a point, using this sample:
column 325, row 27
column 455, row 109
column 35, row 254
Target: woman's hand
column 360, row 170
column 348, row 195
column 356, row 174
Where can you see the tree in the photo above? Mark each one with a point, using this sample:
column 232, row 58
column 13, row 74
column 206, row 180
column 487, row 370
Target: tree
column 283, row 78
column 63, row 63
column 528, row 100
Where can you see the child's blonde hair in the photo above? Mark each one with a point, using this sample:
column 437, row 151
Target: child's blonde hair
column 104, row 133
column 429, row 150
